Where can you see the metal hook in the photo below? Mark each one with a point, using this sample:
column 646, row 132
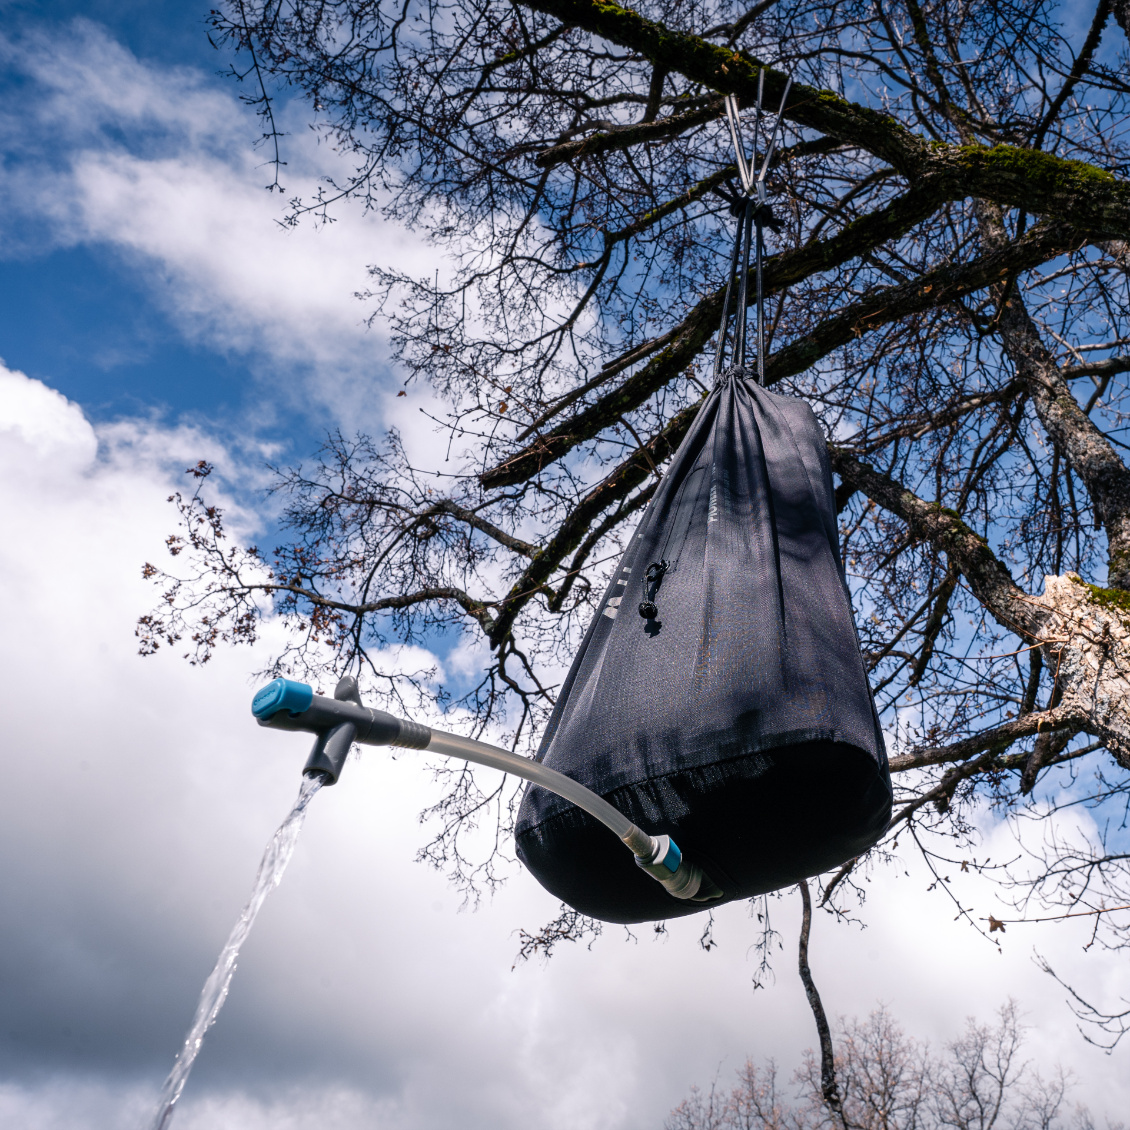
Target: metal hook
column 734, row 121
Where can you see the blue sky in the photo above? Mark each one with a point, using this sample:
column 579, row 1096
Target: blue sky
column 152, row 312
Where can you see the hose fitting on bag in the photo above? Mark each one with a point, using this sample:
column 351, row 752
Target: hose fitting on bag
column 661, row 858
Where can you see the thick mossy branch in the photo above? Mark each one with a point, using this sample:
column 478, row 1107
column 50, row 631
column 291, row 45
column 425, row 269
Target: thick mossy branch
column 1117, row 599
column 732, row 72
column 1091, row 199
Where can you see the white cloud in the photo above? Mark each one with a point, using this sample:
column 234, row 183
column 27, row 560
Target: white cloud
column 157, row 165
column 42, row 426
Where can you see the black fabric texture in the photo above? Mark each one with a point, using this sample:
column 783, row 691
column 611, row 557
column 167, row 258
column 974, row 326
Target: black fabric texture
column 738, row 719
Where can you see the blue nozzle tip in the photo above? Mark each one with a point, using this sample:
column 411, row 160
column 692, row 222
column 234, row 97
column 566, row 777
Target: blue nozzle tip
column 282, row 694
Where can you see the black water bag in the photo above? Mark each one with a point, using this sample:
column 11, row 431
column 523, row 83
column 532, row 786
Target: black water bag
column 719, row 695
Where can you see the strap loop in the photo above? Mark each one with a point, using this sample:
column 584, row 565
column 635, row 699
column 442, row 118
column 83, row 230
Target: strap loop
column 651, row 581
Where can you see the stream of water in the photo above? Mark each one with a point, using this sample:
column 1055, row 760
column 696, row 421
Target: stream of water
column 215, row 990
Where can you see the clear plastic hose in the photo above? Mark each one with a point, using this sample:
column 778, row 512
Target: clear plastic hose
column 342, row 720
column 451, row 745
column 657, row 855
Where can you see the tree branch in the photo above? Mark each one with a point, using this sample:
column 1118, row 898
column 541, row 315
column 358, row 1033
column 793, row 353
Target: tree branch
column 986, row 575
column 944, row 283
column 1091, row 199
column 829, row 1090
column 1080, row 440
column 446, row 506
column 995, row 740
column 572, row 531
column 623, row 137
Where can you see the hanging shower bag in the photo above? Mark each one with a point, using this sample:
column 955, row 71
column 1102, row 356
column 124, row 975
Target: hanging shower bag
column 732, row 710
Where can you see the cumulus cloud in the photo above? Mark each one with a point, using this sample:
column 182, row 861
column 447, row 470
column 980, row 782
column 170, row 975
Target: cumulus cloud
column 156, row 165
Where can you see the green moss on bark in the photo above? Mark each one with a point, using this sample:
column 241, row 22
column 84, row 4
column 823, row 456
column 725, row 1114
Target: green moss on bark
column 1034, row 165
column 962, row 527
column 1117, row 600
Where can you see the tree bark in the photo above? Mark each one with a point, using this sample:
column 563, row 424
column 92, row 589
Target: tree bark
column 1090, row 454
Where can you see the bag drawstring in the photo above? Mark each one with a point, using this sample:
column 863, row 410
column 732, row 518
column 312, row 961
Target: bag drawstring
column 754, row 214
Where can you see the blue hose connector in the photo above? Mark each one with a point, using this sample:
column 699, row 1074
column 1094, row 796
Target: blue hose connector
column 672, row 858
column 664, row 859
column 282, row 694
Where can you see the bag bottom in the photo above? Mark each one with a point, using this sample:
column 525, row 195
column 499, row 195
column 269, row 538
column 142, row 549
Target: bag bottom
column 754, row 824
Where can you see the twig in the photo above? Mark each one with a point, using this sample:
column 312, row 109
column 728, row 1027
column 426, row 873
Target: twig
column 828, row 1087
